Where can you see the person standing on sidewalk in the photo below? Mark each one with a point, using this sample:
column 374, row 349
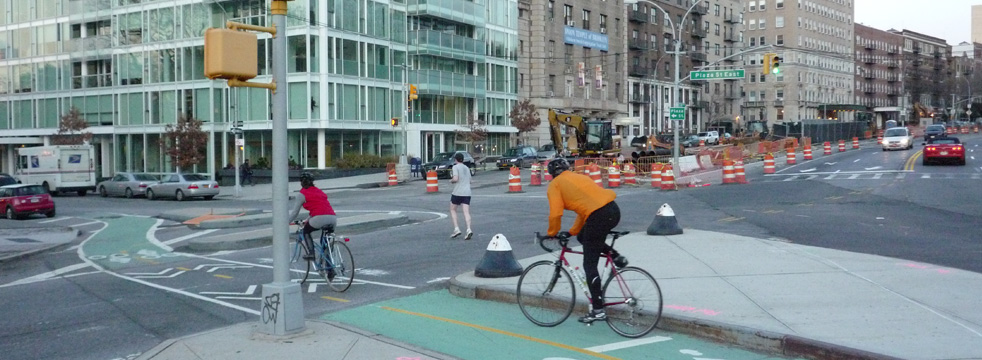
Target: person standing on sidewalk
column 461, row 195
column 596, row 214
column 247, row 173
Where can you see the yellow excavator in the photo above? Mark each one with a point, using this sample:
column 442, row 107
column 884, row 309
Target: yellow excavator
column 589, row 138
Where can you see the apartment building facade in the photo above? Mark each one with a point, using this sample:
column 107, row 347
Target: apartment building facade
column 132, row 67
column 572, row 59
column 710, row 31
column 815, row 41
column 879, row 77
column 928, row 75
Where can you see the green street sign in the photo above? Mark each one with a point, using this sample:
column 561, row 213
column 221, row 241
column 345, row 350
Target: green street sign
column 716, row 74
column 676, row 113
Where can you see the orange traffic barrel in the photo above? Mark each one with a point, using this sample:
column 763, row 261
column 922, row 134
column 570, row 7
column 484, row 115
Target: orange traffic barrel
column 656, row 175
column 729, row 173
column 629, row 175
column 808, row 151
column 536, row 177
column 393, row 180
column 828, row 148
column 431, row 184
column 613, row 176
column 514, row 180
column 791, row 156
column 668, row 178
column 594, row 171
column 855, row 142
column 769, row 164
column 545, row 170
column 741, row 176
column 842, row 145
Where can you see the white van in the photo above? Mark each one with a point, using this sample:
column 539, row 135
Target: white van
column 58, row 168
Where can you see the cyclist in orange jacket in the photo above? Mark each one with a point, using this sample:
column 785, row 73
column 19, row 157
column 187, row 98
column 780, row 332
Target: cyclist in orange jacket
column 596, row 215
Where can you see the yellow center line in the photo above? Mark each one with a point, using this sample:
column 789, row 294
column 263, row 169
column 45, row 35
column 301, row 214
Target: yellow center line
column 913, row 159
column 334, row 299
column 223, row 276
column 731, row 219
column 183, row 268
column 507, row 333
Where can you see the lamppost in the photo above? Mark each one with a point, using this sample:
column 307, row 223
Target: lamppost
column 676, row 54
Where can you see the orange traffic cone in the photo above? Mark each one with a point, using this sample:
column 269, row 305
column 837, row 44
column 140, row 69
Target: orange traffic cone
column 768, row 163
column 729, row 173
column 432, row 187
column 514, row 180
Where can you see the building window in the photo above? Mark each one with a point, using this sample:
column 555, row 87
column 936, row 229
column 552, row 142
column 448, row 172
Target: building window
column 753, row 5
column 603, row 24
column 779, row 22
column 763, row 4
column 753, row 25
column 552, row 9
column 568, row 15
column 753, row 41
column 569, row 54
column 716, row 9
column 586, row 20
column 763, row 24
column 779, row 40
column 779, row 4
column 716, row 29
column 762, row 42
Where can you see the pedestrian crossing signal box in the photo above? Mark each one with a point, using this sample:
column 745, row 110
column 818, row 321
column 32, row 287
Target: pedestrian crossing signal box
column 231, row 54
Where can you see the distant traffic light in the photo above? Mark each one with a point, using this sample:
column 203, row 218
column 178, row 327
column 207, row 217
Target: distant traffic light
column 412, row 92
column 394, row 122
column 775, row 64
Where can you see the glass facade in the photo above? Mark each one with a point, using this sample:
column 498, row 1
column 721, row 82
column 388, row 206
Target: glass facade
column 134, row 66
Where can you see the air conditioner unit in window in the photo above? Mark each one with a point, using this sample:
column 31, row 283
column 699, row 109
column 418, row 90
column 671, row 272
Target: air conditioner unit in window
column 551, row 93
column 569, row 69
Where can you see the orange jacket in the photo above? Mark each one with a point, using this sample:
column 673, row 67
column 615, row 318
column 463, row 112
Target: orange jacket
column 576, row 192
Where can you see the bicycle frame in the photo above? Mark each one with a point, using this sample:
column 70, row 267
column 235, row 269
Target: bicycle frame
column 581, row 281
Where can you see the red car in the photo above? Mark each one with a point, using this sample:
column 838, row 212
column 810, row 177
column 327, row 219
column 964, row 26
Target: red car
column 944, row 149
column 20, row 200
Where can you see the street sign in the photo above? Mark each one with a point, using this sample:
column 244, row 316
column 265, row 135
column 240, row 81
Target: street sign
column 716, row 74
column 676, row 113
column 239, row 142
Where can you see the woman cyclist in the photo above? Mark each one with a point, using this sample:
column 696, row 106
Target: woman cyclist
column 321, row 213
column 596, row 215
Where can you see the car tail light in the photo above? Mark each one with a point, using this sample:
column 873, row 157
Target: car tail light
column 930, row 148
column 192, row 186
column 958, row 148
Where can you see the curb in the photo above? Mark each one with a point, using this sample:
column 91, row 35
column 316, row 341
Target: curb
column 741, row 336
column 43, row 248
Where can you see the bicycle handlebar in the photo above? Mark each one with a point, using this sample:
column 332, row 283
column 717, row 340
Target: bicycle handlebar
column 563, row 238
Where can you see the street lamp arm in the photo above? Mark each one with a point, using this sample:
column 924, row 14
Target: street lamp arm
column 714, row 63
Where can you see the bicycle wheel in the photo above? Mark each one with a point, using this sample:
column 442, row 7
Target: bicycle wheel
column 546, row 294
column 342, row 264
column 633, row 302
column 299, row 268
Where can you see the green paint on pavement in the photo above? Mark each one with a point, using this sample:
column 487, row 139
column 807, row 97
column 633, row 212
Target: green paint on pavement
column 123, row 243
column 487, row 331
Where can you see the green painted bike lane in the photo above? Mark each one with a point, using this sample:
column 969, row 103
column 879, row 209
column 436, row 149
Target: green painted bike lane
column 123, row 244
column 478, row 329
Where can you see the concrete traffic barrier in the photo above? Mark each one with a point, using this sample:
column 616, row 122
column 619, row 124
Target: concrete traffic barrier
column 665, row 222
column 498, row 260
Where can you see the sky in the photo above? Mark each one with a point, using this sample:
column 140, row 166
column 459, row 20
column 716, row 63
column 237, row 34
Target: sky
column 947, row 19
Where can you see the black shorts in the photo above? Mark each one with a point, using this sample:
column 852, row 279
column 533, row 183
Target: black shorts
column 457, row 200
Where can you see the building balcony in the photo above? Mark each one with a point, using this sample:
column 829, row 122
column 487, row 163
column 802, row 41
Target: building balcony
column 700, row 10
column 891, row 64
column 892, row 50
column 893, row 78
column 733, row 18
column 869, row 60
column 892, row 92
column 447, row 83
column 637, row 16
column 699, row 32
column 702, row 104
column 447, row 45
column 868, row 75
column 916, row 49
column 698, row 56
column 467, row 12
column 779, row 103
column 938, row 54
column 637, row 71
column 868, row 89
column 637, row 44
column 868, row 46
column 731, row 37
column 639, row 99
column 754, row 104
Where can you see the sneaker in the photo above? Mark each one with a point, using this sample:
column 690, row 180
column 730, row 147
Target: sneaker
column 469, row 235
column 594, row 315
column 620, row 261
column 455, row 234
column 330, row 275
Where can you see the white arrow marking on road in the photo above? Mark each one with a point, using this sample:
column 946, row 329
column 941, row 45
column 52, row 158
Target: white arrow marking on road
column 439, row 279
column 809, row 170
column 832, row 163
column 627, row 344
column 156, row 273
column 249, row 291
column 47, row 275
column 873, row 168
column 120, row 258
column 857, row 160
column 55, row 219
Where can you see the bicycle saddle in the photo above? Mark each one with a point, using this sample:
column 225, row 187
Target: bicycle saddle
column 619, row 233
column 328, row 228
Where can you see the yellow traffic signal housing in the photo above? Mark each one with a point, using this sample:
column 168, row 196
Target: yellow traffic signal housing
column 776, row 64
column 766, row 62
column 412, row 92
column 231, row 54
column 394, row 122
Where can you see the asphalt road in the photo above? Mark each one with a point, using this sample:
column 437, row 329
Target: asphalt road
column 866, row 201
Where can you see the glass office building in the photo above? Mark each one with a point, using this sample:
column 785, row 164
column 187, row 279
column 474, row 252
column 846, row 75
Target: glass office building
column 132, row 67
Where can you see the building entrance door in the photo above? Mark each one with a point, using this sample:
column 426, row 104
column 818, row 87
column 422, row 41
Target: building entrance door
column 433, row 145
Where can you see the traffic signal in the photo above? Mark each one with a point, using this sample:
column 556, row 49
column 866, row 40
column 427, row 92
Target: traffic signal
column 775, row 64
column 230, row 54
column 766, row 62
column 412, row 92
column 394, row 122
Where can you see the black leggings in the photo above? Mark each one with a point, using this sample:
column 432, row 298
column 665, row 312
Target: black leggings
column 593, row 236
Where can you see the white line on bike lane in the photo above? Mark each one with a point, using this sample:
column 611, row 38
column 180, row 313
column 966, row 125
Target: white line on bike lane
column 627, row 344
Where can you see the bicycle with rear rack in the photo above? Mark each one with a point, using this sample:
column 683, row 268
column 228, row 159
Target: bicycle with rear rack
column 547, row 296
column 332, row 259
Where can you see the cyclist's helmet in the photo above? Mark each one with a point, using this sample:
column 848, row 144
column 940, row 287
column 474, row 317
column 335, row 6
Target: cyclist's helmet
column 557, row 166
column 306, row 179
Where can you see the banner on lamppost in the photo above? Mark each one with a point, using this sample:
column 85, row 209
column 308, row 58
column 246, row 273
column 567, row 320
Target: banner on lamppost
column 580, row 74
column 599, row 78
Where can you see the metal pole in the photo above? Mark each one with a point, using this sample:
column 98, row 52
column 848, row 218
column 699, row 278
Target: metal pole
column 282, row 295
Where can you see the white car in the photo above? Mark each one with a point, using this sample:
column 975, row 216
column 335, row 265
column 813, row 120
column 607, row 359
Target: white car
column 898, row 138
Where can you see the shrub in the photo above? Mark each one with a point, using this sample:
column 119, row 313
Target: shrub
column 359, row 161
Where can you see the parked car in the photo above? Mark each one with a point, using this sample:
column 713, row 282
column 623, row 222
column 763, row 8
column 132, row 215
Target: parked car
column 444, row 162
column 689, row 140
column 521, row 156
column 127, row 184
column 182, row 186
column 934, row 131
column 944, row 149
column 547, row 152
column 6, row 179
column 21, row 200
column 709, row 137
column 897, row 138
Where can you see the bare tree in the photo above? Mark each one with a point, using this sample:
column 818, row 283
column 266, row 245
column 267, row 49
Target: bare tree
column 71, row 129
column 474, row 133
column 185, row 143
column 524, row 117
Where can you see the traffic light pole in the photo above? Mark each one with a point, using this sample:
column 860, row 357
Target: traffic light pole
column 282, row 303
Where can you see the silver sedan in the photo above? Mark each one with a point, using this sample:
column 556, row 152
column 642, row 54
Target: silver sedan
column 126, row 184
column 183, row 186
